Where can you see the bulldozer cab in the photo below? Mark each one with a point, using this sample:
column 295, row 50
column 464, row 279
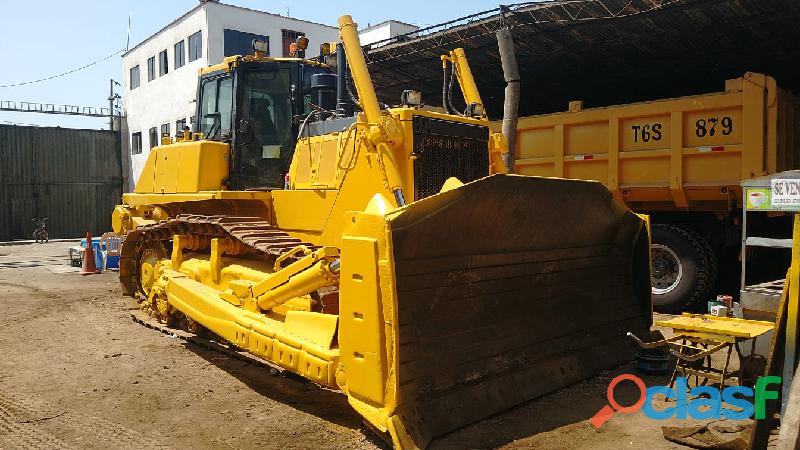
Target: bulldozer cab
column 257, row 107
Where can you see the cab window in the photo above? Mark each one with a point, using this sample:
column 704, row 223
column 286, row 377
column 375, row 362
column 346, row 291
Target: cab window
column 265, row 150
column 216, row 107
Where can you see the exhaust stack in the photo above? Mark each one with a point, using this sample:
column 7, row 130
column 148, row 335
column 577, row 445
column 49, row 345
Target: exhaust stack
column 344, row 105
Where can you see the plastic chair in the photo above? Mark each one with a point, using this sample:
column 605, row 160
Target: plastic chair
column 110, row 245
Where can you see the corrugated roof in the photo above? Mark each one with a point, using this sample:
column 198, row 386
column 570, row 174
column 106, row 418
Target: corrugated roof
column 601, row 51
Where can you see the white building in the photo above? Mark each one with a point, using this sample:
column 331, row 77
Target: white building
column 385, row 30
column 160, row 73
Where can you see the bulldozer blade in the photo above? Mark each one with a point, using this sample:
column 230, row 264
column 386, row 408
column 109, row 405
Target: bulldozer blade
column 492, row 294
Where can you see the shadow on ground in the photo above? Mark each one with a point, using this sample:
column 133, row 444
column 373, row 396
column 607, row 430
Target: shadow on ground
column 286, row 388
column 575, row 404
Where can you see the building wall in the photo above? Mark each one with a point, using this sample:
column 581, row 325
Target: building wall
column 169, row 97
column 222, row 16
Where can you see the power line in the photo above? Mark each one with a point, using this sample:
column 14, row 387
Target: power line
column 64, row 73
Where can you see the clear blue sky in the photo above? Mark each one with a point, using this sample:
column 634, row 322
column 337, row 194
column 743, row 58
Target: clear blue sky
column 43, row 38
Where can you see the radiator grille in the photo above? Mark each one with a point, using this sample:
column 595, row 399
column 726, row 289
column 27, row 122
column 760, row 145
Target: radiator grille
column 447, row 149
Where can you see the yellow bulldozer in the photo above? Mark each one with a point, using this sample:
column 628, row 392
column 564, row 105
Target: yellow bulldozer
column 380, row 251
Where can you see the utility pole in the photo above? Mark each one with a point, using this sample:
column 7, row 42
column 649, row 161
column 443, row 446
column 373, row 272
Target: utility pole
column 118, row 135
column 111, row 97
column 111, row 104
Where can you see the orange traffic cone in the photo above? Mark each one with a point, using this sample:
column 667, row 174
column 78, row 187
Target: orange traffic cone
column 89, row 266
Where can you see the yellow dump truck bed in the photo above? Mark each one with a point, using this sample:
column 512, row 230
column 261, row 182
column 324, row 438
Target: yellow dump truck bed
column 669, row 154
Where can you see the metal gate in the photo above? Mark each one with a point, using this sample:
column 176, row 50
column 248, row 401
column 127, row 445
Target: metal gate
column 72, row 177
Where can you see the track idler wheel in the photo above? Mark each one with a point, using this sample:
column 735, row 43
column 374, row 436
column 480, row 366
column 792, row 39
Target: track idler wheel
column 150, row 254
column 154, row 282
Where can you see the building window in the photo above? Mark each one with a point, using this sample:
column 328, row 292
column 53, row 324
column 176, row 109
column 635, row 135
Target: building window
column 179, row 125
column 180, row 55
column 153, row 137
column 134, row 77
column 136, row 142
column 163, row 63
column 165, row 129
column 289, row 37
column 151, row 68
column 195, row 46
column 240, row 43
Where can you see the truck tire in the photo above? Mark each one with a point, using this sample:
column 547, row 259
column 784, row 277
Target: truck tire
column 712, row 269
column 683, row 268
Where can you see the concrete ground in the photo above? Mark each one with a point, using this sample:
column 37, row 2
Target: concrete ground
column 77, row 372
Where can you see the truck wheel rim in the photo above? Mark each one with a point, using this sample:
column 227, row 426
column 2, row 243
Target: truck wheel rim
column 667, row 270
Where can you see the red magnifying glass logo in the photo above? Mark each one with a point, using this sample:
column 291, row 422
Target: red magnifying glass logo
column 606, row 412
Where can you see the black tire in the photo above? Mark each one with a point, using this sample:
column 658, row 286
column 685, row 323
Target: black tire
column 712, row 269
column 677, row 284
column 40, row 237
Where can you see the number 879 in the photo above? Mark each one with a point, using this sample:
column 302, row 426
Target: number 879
column 708, row 127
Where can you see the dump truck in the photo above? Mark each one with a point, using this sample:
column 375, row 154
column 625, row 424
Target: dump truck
column 380, row 251
column 681, row 161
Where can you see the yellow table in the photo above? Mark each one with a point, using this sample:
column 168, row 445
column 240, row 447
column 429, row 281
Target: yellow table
column 698, row 336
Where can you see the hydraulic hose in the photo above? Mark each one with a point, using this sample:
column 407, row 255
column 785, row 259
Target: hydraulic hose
column 445, row 104
column 348, row 87
column 450, row 92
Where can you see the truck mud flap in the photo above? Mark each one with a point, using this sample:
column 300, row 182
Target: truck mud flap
column 505, row 289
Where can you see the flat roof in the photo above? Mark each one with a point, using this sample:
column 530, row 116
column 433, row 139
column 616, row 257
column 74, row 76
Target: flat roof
column 604, row 52
column 203, row 4
column 377, row 25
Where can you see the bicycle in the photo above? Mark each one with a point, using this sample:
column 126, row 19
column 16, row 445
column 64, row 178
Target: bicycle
column 40, row 233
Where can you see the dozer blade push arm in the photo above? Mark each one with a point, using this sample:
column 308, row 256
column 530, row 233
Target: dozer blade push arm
column 313, row 271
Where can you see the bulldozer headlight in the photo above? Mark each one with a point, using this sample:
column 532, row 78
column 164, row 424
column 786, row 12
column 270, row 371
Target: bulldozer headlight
column 411, row 98
column 475, row 110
